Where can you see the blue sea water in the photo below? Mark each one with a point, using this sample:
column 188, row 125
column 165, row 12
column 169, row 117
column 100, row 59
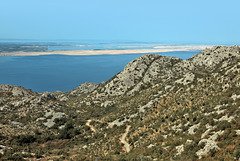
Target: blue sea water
column 64, row 73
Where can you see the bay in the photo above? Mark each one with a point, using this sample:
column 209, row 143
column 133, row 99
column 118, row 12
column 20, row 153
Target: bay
column 60, row 72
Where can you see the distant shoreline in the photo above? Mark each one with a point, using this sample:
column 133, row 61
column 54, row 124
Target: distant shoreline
column 91, row 52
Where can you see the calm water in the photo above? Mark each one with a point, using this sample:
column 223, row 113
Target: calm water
column 60, row 72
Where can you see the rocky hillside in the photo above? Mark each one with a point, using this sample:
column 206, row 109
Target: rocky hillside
column 157, row 108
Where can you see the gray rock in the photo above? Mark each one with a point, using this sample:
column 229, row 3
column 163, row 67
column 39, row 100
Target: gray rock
column 189, row 142
column 15, row 90
column 191, row 130
column 209, row 144
column 226, row 118
column 64, row 98
column 180, row 149
column 234, row 97
column 107, row 103
column 50, row 122
column 187, row 78
column 46, row 96
column 209, row 58
column 143, row 70
column 237, row 132
column 84, row 88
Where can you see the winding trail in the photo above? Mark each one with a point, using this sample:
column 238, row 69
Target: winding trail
column 126, row 144
column 91, row 127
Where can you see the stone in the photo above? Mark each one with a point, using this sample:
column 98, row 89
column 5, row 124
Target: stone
column 15, row 90
column 191, row 130
column 84, row 88
column 107, row 103
column 46, row 96
column 180, row 149
column 209, row 144
column 50, row 122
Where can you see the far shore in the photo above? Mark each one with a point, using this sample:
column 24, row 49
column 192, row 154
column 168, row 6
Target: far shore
column 92, row 52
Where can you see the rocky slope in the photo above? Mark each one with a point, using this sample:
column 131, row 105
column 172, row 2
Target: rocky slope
column 143, row 70
column 157, row 108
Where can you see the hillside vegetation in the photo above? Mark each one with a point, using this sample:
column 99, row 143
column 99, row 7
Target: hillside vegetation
column 157, row 108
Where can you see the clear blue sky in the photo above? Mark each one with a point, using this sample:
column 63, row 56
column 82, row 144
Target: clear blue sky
column 166, row 21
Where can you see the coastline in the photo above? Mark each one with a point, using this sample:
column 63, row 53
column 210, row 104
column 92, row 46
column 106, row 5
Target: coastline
column 91, row 52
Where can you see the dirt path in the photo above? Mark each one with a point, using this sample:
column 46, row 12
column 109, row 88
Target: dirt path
column 91, row 127
column 126, row 144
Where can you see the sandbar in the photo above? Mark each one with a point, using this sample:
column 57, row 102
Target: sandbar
column 90, row 52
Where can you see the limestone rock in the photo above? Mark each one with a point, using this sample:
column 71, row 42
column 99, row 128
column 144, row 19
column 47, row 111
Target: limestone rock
column 107, row 103
column 45, row 97
column 191, row 130
column 180, row 149
column 209, row 144
column 84, row 88
column 15, row 90
column 142, row 70
column 50, row 122
column 209, row 58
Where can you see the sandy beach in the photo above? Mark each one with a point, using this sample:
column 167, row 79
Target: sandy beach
column 91, row 52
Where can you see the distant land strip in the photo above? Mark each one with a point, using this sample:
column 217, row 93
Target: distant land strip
column 93, row 52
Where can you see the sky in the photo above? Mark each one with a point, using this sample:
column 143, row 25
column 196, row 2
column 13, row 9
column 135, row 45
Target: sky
column 164, row 21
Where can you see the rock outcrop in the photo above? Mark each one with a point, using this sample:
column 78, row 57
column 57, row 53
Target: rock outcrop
column 84, row 89
column 139, row 72
column 15, row 90
column 209, row 58
column 146, row 69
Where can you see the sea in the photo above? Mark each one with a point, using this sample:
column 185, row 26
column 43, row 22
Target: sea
column 63, row 72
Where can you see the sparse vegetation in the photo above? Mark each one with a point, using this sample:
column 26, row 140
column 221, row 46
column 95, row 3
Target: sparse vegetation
column 170, row 114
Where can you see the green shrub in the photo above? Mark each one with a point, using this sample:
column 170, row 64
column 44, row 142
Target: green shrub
column 68, row 131
column 25, row 139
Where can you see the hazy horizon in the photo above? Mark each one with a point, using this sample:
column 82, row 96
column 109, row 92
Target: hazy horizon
column 168, row 22
column 109, row 41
